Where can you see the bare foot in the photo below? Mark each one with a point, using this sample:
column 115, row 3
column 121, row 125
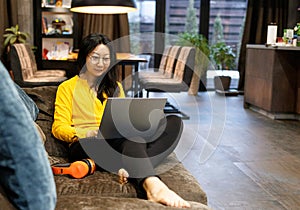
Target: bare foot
column 159, row 192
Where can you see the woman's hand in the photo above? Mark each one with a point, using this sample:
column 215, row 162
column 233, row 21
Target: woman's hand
column 91, row 133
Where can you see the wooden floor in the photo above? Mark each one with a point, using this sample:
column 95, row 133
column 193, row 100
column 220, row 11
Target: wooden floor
column 242, row 159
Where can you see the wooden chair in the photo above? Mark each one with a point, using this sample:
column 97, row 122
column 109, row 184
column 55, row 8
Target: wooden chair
column 25, row 72
column 162, row 66
column 177, row 82
column 166, row 68
column 173, row 82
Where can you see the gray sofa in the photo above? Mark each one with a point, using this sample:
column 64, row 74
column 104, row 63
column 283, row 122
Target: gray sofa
column 102, row 190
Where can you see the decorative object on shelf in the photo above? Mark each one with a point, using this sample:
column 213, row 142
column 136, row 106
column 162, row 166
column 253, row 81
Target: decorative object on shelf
column 59, row 51
column 272, row 34
column 297, row 29
column 297, row 33
column 57, row 24
column 58, row 3
column 103, row 7
column 288, row 36
column 49, row 3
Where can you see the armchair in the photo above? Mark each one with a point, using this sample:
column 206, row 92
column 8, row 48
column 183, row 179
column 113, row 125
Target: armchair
column 177, row 82
column 25, row 72
column 173, row 82
column 161, row 69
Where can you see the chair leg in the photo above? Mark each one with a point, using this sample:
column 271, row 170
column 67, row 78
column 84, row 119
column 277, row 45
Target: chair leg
column 171, row 109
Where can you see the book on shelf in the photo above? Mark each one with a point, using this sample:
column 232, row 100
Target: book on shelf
column 44, row 25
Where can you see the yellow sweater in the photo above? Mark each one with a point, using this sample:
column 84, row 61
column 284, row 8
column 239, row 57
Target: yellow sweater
column 77, row 109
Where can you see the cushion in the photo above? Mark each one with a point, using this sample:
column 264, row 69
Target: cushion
column 111, row 203
column 44, row 98
column 28, row 102
column 171, row 171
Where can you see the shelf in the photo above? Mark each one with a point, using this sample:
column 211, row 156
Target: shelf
column 50, row 23
column 56, row 10
column 54, row 36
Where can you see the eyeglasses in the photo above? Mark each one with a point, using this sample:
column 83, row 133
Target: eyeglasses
column 95, row 60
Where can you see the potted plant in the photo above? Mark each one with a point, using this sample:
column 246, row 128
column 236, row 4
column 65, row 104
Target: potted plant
column 201, row 58
column 223, row 58
column 14, row 35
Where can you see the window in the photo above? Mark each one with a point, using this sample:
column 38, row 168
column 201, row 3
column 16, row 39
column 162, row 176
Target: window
column 179, row 14
column 231, row 14
column 142, row 21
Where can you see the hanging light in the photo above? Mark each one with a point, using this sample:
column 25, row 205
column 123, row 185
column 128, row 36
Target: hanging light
column 103, row 6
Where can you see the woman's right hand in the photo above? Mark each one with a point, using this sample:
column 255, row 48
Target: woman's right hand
column 91, row 133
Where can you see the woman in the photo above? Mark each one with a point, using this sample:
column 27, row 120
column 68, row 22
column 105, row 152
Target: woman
column 79, row 107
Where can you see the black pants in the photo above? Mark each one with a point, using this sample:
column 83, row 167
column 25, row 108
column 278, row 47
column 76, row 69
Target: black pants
column 137, row 156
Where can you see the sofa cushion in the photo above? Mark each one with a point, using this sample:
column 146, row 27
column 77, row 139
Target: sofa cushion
column 44, row 98
column 111, row 203
column 171, row 171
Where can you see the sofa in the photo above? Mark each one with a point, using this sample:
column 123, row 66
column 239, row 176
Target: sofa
column 102, row 190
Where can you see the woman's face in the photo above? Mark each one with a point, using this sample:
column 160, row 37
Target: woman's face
column 98, row 61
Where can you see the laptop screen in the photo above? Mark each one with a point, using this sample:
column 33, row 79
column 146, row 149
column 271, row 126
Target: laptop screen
column 131, row 117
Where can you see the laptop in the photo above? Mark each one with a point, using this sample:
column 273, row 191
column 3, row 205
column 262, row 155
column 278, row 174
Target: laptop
column 131, row 117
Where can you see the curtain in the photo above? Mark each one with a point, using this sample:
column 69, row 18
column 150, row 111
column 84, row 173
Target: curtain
column 113, row 26
column 8, row 18
column 259, row 15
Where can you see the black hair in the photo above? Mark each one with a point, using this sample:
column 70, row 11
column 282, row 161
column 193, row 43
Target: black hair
column 108, row 83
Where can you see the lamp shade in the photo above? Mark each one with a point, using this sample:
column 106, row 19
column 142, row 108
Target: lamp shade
column 103, row 6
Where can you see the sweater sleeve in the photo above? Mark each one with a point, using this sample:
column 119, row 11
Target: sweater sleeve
column 62, row 126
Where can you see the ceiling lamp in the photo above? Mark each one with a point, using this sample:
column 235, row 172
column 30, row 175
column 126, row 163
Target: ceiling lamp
column 103, row 6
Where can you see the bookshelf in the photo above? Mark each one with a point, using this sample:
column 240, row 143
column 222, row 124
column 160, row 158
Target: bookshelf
column 55, row 35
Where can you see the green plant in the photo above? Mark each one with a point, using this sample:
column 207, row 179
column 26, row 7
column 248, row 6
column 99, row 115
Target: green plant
column 191, row 19
column 218, row 33
column 200, row 43
column 223, row 56
column 297, row 29
column 14, row 35
column 202, row 50
column 196, row 40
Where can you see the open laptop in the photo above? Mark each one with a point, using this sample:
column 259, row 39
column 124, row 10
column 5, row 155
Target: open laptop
column 131, row 117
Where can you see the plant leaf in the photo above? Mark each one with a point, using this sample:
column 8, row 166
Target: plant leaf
column 23, row 36
column 6, row 41
column 21, row 40
column 17, row 28
column 9, row 30
column 13, row 40
column 8, row 35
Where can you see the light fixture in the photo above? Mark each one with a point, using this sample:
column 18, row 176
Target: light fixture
column 103, row 6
